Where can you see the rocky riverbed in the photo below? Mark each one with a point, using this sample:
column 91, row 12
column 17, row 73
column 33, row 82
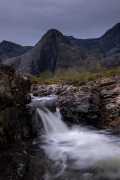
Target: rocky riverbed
column 96, row 104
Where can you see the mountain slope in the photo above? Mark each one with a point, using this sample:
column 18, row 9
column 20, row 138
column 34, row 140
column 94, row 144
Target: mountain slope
column 9, row 50
column 55, row 51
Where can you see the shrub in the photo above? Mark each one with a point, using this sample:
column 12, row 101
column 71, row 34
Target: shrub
column 73, row 76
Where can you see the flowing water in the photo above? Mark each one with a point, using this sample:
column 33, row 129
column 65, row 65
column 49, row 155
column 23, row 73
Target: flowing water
column 77, row 153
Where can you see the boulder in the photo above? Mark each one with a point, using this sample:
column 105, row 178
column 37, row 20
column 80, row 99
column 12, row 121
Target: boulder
column 15, row 123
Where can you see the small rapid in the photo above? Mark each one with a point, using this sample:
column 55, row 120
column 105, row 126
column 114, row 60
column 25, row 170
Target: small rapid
column 80, row 153
column 53, row 126
column 91, row 153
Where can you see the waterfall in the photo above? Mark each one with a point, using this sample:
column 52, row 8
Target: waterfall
column 80, row 152
column 52, row 122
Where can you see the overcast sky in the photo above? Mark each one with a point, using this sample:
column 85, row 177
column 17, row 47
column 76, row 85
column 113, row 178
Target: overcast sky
column 25, row 21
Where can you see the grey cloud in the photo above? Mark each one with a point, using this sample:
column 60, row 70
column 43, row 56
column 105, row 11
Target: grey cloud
column 25, row 21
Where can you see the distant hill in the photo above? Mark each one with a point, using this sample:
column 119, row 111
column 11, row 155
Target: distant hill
column 9, row 50
column 55, row 51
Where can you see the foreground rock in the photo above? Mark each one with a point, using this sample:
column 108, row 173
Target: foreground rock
column 15, row 123
column 97, row 103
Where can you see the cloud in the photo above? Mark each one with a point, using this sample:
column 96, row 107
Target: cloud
column 25, row 21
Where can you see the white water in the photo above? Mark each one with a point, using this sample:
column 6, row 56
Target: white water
column 42, row 102
column 81, row 153
column 51, row 121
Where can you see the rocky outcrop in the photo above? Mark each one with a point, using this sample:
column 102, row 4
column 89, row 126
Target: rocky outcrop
column 96, row 104
column 15, row 123
column 55, row 51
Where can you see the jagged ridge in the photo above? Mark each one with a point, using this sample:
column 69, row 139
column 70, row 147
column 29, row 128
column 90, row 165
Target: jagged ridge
column 55, row 51
column 10, row 49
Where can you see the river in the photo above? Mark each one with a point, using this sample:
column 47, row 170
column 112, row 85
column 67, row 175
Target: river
column 66, row 153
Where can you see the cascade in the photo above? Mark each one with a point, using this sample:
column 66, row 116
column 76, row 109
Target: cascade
column 91, row 154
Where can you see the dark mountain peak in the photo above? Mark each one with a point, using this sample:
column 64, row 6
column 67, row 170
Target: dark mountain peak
column 55, row 51
column 117, row 25
column 52, row 33
column 114, row 31
column 115, row 28
column 9, row 49
column 4, row 42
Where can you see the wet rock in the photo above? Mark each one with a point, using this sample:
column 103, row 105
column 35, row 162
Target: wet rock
column 14, row 120
column 15, row 162
column 96, row 104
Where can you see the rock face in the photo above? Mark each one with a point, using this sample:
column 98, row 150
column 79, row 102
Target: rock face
column 9, row 50
column 55, row 51
column 14, row 119
column 96, row 104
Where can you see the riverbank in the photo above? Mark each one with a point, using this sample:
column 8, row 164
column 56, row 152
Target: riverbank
column 97, row 103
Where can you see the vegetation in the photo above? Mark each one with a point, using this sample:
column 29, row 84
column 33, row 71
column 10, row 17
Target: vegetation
column 46, row 74
column 74, row 76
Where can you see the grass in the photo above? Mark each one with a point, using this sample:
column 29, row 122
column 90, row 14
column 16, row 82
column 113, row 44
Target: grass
column 71, row 76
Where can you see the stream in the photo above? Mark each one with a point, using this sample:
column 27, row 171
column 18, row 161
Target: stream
column 66, row 153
